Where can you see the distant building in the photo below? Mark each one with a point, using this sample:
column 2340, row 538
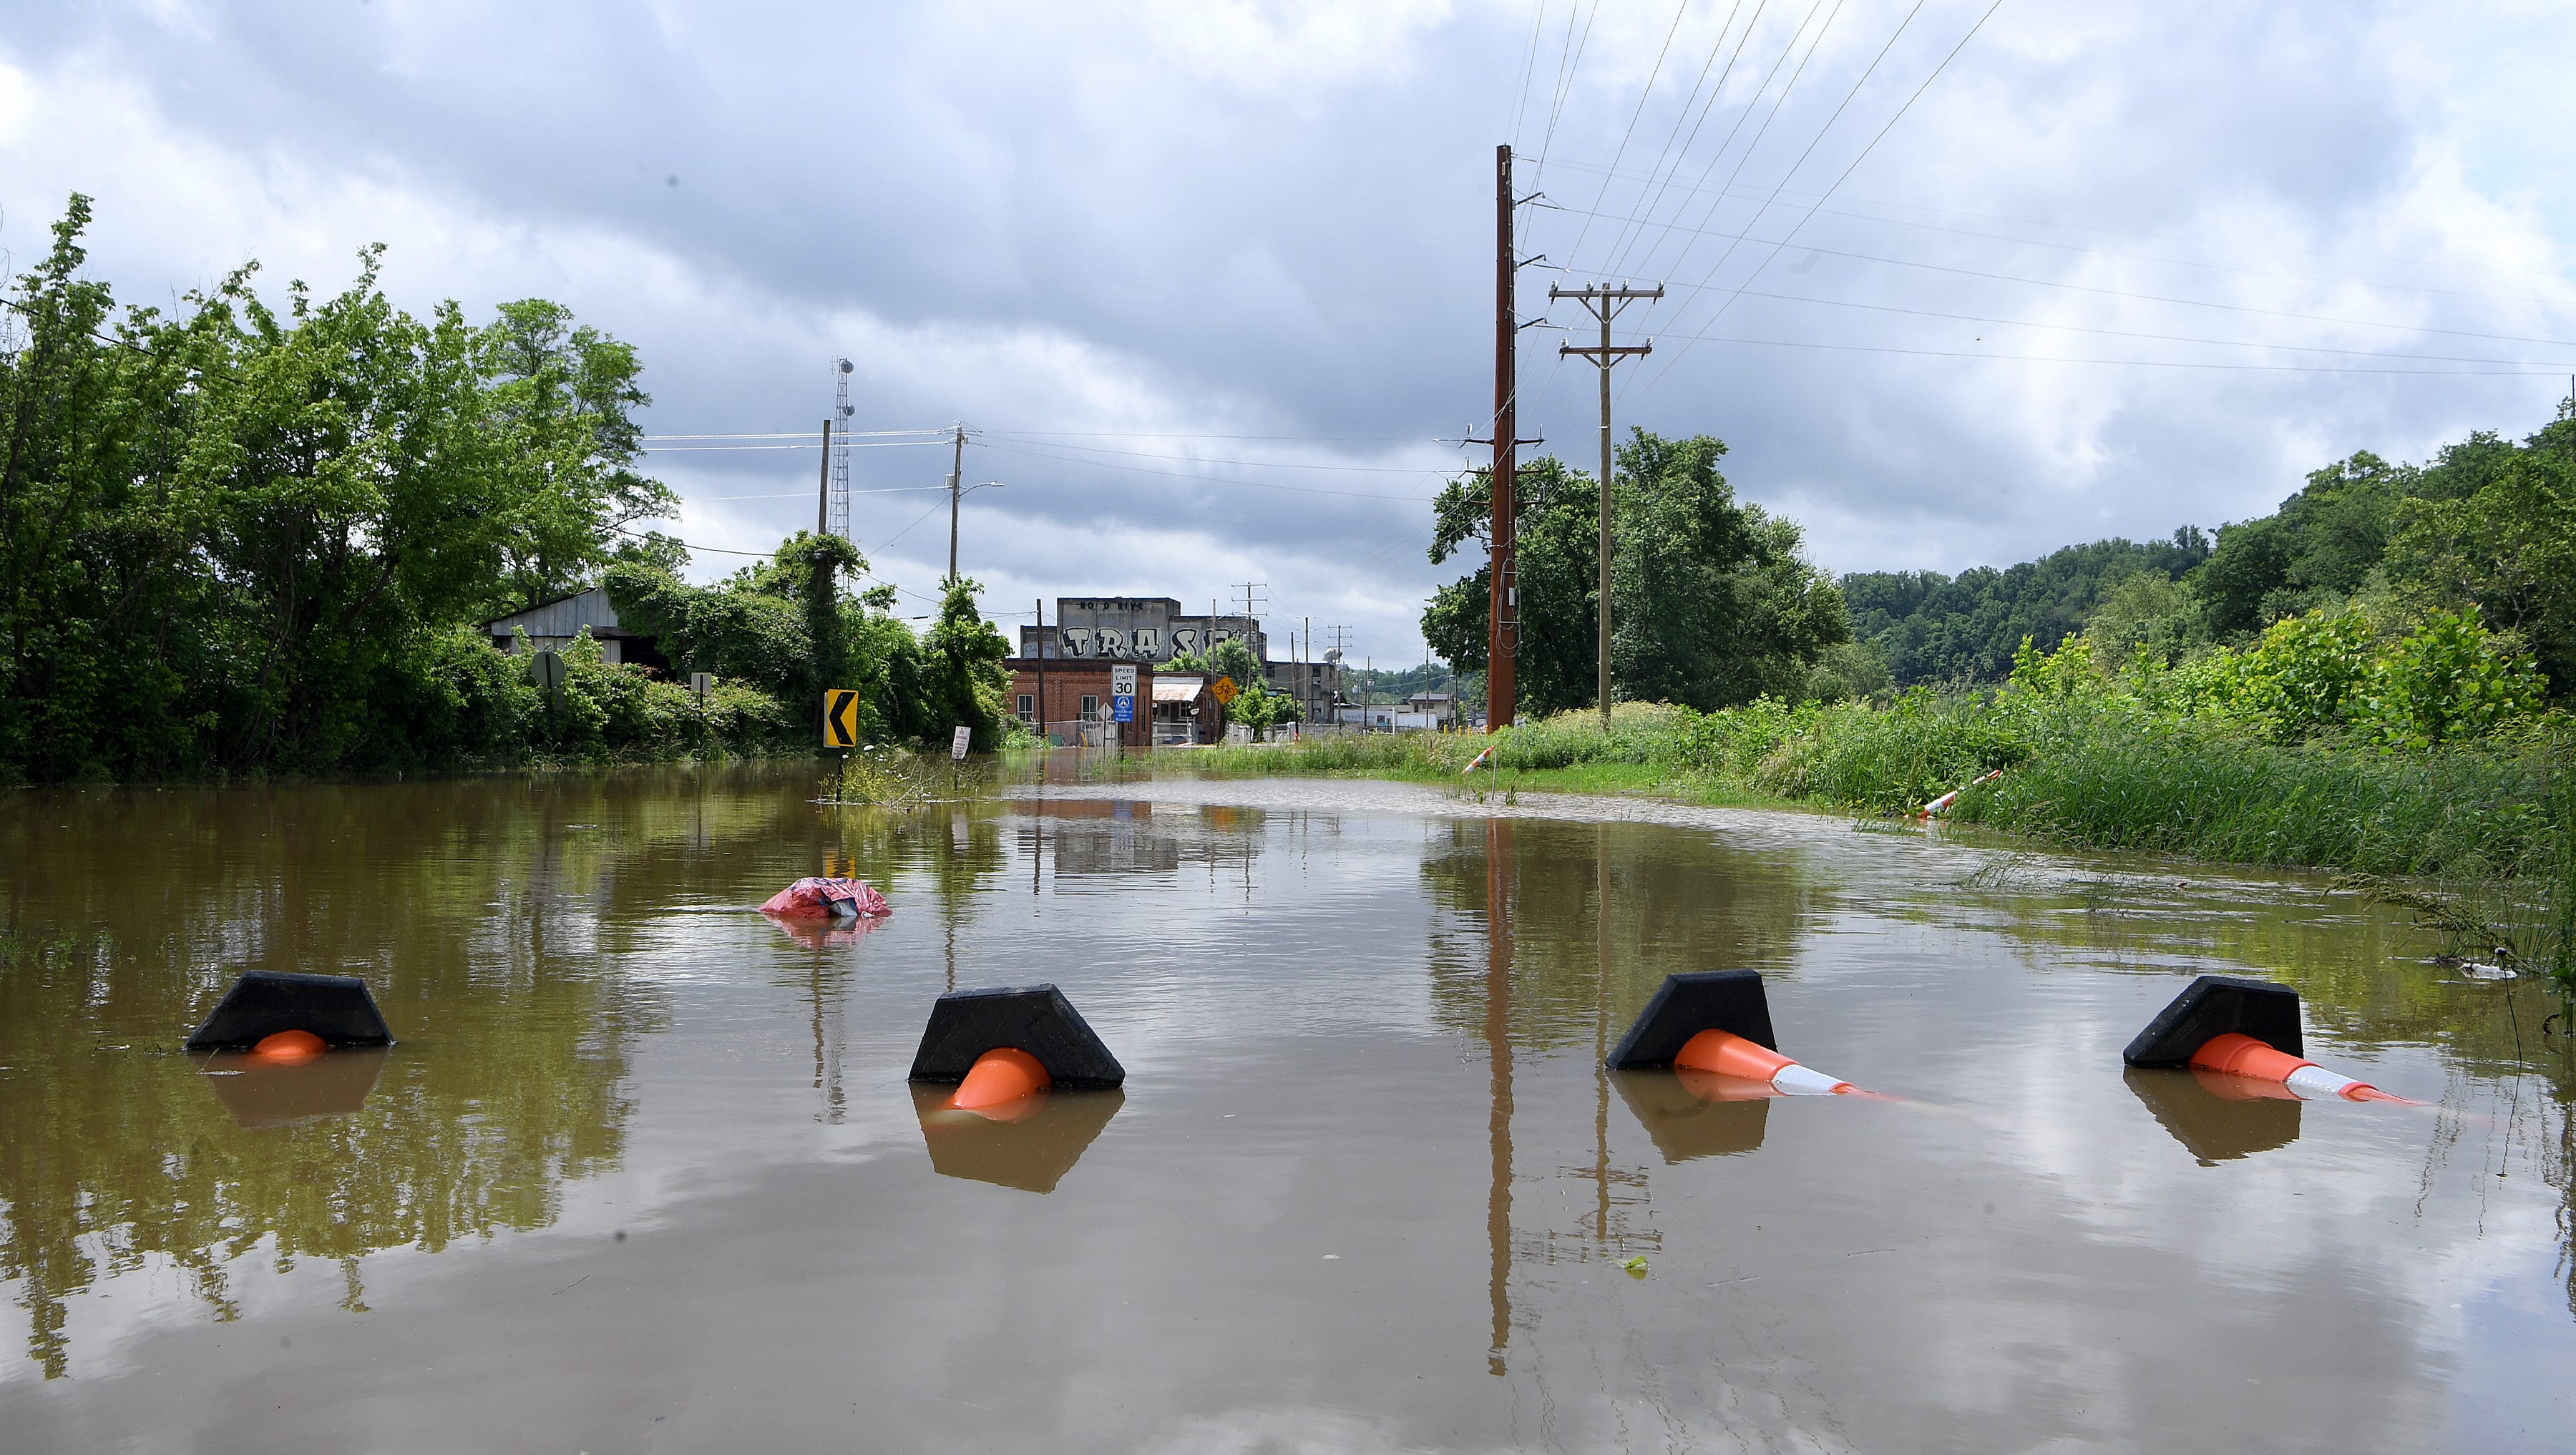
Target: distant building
column 1150, row 629
column 1172, row 709
column 559, row 622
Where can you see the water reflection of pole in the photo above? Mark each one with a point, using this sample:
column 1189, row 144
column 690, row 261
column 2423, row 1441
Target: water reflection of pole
column 1498, row 1055
column 1601, row 1032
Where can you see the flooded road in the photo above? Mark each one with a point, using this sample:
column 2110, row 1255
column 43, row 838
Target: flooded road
column 643, row 1172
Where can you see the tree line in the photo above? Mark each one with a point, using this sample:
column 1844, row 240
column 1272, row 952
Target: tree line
column 2485, row 529
column 1714, row 604
column 253, row 535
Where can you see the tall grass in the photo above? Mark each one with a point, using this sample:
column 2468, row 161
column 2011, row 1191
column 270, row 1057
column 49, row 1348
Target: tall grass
column 2074, row 773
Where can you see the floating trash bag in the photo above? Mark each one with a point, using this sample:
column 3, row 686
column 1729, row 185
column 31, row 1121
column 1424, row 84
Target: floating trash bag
column 827, row 899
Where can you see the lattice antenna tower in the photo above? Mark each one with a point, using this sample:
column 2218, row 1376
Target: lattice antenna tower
column 841, row 411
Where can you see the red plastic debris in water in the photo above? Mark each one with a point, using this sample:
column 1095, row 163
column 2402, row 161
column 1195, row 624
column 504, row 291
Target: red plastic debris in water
column 288, row 1048
column 1002, row 1075
column 816, row 898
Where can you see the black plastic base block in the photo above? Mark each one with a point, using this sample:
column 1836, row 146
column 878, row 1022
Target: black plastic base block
column 2214, row 1006
column 263, row 1002
column 964, row 1024
column 1687, row 1004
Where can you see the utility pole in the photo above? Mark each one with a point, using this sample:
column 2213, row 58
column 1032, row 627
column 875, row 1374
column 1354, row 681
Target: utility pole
column 823, row 485
column 1503, row 606
column 1037, row 648
column 957, row 472
column 1605, row 304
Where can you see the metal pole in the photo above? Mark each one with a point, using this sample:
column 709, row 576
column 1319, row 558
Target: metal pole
column 1606, row 357
column 956, row 469
column 1037, row 644
column 823, row 485
column 1502, row 604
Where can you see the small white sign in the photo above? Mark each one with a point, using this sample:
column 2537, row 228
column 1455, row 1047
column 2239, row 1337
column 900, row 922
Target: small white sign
column 1122, row 680
column 702, row 684
column 957, row 745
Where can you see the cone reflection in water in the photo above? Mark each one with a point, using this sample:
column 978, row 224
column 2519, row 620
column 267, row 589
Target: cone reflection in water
column 998, row 1078
column 264, row 1093
column 2217, row 1118
column 1029, row 1144
column 1685, row 1122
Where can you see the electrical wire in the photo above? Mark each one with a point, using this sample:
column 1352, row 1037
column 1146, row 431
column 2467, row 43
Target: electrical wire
column 1643, row 96
column 2133, row 333
column 1845, row 176
column 1212, row 479
column 2129, row 294
column 1648, row 223
column 1768, row 117
column 1625, row 241
column 2540, row 373
column 1247, row 464
column 2150, row 235
column 1565, row 70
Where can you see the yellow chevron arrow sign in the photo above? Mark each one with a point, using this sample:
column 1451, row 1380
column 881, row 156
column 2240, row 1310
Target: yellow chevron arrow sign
column 841, row 718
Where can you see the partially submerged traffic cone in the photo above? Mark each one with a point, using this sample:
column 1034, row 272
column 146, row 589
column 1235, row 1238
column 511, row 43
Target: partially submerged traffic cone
column 1003, row 1048
column 285, row 1018
column 2225, row 1025
column 1714, row 1027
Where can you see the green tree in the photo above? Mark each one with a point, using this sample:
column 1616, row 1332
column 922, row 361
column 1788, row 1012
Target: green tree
column 964, row 679
column 1712, row 602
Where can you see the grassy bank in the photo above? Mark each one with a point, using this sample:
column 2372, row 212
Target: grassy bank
column 2491, row 811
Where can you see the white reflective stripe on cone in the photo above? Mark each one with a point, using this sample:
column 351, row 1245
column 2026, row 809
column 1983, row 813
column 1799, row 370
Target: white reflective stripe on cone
column 2316, row 1081
column 1797, row 1080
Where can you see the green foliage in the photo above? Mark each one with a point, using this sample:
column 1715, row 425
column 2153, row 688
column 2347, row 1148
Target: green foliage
column 1712, row 602
column 244, row 538
column 963, row 680
column 1931, row 628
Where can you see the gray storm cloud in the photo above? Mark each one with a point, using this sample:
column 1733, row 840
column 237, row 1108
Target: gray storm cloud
column 1214, row 282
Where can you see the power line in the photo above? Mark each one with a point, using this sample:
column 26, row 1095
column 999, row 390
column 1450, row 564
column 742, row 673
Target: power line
column 1643, row 96
column 2132, row 333
column 2078, row 248
column 1248, row 464
column 2536, row 373
column 2122, row 293
column 1215, row 479
column 1621, row 245
column 1839, row 180
column 2131, row 232
column 1768, row 117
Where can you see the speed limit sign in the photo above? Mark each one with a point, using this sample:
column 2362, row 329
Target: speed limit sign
column 1122, row 693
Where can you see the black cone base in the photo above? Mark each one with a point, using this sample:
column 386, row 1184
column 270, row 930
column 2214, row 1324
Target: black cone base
column 263, row 1002
column 1687, row 1004
column 2214, row 1006
column 964, row 1024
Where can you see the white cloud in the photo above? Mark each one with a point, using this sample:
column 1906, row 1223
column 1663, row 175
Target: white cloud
column 1247, row 219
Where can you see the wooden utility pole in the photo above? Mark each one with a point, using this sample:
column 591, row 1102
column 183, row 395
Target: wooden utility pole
column 1037, row 648
column 823, row 486
column 1502, row 605
column 956, row 472
column 1605, row 304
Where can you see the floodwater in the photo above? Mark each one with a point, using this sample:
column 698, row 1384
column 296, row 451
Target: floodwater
column 643, row 1172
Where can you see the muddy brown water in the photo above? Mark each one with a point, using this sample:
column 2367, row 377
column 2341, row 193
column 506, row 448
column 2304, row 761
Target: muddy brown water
column 643, row 1171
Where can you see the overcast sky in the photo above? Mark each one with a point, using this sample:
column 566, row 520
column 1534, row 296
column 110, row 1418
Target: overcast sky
column 1211, row 282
